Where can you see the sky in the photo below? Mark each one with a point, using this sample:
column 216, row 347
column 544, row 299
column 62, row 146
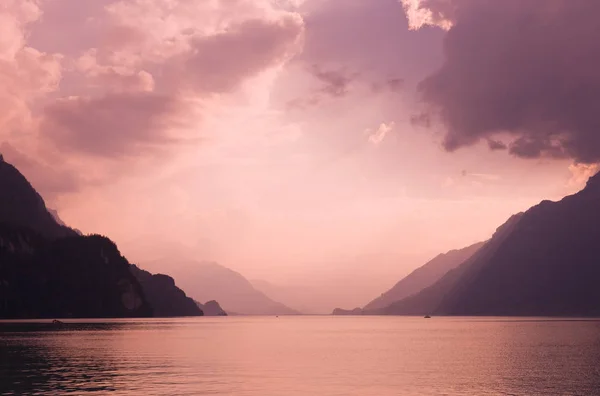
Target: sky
column 344, row 141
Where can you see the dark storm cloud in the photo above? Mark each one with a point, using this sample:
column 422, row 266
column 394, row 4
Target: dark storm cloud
column 496, row 145
column 524, row 68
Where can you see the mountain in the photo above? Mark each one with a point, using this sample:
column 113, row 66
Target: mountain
column 424, row 276
column 166, row 299
column 211, row 281
column 295, row 297
column 48, row 270
column 83, row 277
column 544, row 262
column 212, row 308
column 342, row 312
column 350, row 280
column 22, row 206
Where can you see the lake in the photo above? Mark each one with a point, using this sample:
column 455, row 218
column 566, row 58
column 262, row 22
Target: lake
column 264, row 356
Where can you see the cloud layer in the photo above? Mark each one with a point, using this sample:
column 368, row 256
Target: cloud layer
column 129, row 79
column 517, row 73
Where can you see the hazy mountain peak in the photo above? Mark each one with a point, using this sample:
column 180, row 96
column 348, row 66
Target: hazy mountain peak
column 208, row 280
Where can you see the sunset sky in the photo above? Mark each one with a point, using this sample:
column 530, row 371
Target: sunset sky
column 293, row 139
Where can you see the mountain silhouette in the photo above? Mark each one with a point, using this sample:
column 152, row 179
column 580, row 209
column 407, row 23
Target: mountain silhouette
column 343, row 312
column 212, row 308
column 22, row 206
column 79, row 277
column 48, row 270
column 544, row 262
column 424, row 276
column 164, row 296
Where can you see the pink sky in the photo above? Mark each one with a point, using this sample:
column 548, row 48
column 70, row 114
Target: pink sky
column 280, row 137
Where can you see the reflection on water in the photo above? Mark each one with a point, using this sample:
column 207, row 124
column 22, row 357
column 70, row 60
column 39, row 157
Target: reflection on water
column 302, row 356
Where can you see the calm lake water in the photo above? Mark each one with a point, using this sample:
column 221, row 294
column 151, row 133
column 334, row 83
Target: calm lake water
column 289, row 356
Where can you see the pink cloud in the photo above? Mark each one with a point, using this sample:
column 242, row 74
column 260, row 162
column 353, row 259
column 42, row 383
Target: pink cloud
column 114, row 125
column 220, row 62
column 126, row 80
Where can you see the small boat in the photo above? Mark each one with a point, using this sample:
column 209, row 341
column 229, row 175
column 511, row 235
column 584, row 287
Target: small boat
column 427, row 317
column 57, row 322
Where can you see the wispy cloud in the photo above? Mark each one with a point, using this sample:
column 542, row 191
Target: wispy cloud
column 376, row 136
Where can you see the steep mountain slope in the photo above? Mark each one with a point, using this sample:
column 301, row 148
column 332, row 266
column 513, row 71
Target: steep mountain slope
column 211, row 281
column 164, row 296
column 543, row 262
column 48, row 270
column 82, row 277
column 429, row 299
column 21, row 205
column 424, row 276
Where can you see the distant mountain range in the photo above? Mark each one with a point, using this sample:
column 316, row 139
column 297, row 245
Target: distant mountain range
column 543, row 262
column 48, row 270
column 429, row 299
column 294, row 297
column 208, row 280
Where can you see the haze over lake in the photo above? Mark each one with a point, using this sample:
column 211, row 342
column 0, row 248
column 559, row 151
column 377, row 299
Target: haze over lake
column 252, row 356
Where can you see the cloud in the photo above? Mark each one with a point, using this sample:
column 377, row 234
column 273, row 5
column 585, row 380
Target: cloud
column 421, row 119
column 422, row 13
column 394, row 85
column 158, row 63
column 482, row 176
column 112, row 78
column 580, row 173
column 221, row 62
column 377, row 136
column 526, row 69
column 26, row 74
column 15, row 15
column 495, row 145
column 335, row 82
column 115, row 125
column 127, row 82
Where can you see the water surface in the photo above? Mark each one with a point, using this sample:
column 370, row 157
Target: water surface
column 287, row 356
